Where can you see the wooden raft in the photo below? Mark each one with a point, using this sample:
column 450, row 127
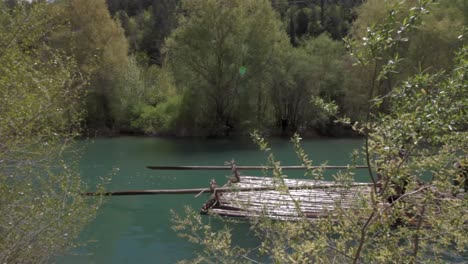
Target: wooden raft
column 314, row 198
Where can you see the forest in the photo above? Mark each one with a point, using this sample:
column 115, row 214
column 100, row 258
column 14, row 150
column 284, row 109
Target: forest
column 212, row 68
column 393, row 72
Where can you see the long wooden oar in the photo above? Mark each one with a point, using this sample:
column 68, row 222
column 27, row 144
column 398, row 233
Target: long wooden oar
column 251, row 167
column 221, row 189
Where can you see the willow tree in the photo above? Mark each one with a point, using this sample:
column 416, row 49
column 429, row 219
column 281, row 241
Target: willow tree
column 220, row 55
column 415, row 213
column 41, row 209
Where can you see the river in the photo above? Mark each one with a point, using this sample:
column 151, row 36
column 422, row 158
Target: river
column 137, row 229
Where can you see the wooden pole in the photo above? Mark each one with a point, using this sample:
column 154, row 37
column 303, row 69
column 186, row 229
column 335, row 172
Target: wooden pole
column 221, row 189
column 250, row 167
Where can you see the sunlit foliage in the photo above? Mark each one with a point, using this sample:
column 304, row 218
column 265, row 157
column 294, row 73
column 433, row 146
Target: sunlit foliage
column 41, row 209
column 214, row 40
column 415, row 213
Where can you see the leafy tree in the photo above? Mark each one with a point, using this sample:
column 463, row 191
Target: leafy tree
column 436, row 41
column 152, row 104
column 328, row 76
column 431, row 47
column 101, row 50
column 311, row 18
column 218, row 54
column 314, row 69
column 413, row 214
column 129, row 92
column 41, row 209
column 292, row 89
column 136, row 29
column 163, row 21
column 146, row 24
column 131, row 7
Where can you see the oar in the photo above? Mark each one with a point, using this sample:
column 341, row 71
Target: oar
column 221, row 189
column 251, row 167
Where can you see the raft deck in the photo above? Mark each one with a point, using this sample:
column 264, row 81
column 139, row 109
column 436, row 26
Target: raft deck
column 315, row 199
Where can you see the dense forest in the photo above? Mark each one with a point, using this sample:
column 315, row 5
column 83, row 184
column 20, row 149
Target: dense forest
column 215, row 69
column 220, row 68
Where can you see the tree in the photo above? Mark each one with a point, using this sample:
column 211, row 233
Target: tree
column 132, row 8
column 314, row 69
column 292, row 89
column 218, row 55
column 305, row 19
column 436, row 41
column 413, row 214
column 146, row 23
column 149, row 99
column 41, row 209
column 101, row 50
column 431, row 47
column 163, row 21
column 328, row 76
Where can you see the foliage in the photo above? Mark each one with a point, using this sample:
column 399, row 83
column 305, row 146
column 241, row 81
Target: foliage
column 431, row 47
column 229, row 67
column 270, row 90
column 291, row 90
column 306, row 19
column 41, row 209
column 101, row 50
column 315, row 69
column 242, row 72
column 146, row 23
column 152, row 105
column 328, row 76
column 163, row 22
column 214, row 40
column 414, row 212
column 436, row 41
column 159, row 118
column 195, row 230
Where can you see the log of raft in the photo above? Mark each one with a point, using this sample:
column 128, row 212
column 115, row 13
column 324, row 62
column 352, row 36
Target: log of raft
column 311, row 198
column 260, row 197
column 325, row 167
column 281, row 199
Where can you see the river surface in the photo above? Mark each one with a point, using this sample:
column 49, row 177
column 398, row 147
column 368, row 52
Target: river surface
column 137, row 229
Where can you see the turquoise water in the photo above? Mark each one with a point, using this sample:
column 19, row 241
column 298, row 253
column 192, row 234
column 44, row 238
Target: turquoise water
column 137, row 229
